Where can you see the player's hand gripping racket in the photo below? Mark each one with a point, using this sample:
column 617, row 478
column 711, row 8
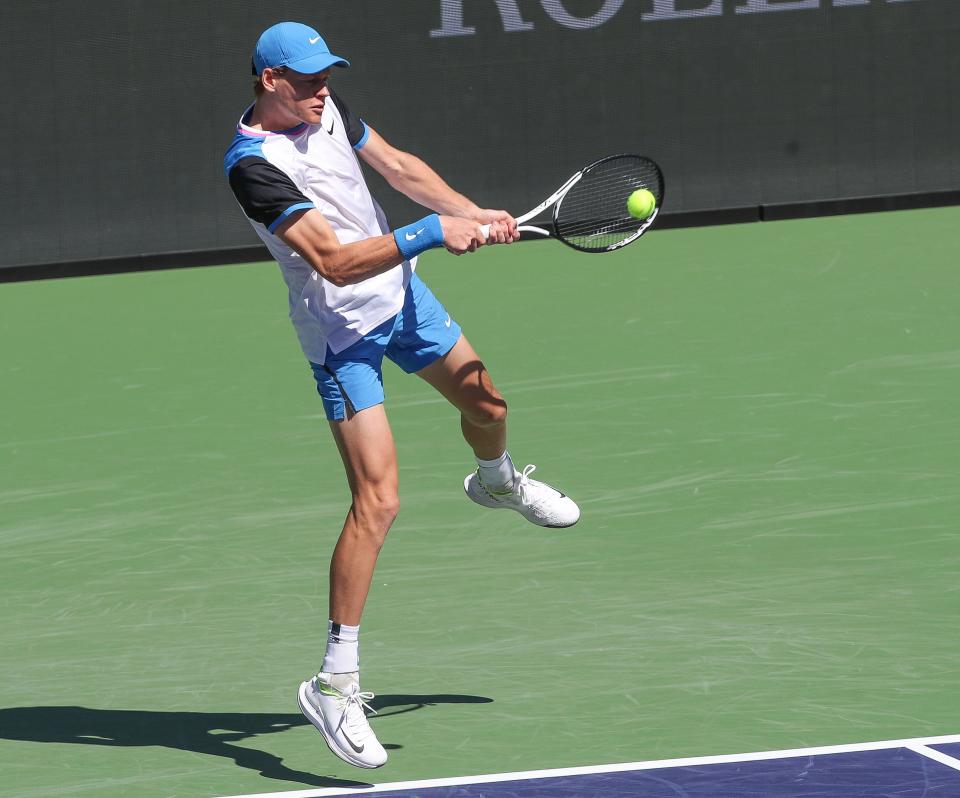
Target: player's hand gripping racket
column 590, row 209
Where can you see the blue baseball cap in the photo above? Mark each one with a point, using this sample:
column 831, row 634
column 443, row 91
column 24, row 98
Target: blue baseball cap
column 294, row 45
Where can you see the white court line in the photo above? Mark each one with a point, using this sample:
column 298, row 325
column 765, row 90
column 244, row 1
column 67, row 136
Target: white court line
column 943, row 759
column 916, row 744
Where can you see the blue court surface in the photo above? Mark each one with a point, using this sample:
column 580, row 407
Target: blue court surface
column 916, row 768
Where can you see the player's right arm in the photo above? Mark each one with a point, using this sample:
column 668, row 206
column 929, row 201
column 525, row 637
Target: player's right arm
column 268, row 196
column 311, row 235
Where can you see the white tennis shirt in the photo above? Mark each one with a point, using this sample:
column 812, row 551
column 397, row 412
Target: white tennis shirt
column 275, row 175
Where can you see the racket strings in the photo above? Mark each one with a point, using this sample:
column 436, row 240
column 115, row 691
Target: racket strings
column 593, row 214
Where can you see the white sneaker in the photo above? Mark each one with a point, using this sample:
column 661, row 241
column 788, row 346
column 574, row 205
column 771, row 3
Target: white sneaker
column 538, row 502
column 339, row 717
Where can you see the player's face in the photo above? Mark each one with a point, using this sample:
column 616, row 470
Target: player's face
column 304, row 95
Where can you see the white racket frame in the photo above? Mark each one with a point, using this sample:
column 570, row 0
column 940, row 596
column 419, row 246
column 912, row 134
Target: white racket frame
column 557, row 197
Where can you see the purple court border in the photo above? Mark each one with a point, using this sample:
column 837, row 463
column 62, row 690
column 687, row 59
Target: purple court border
column 922, row 767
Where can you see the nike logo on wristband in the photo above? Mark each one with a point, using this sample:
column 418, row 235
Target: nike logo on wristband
column 411, row 236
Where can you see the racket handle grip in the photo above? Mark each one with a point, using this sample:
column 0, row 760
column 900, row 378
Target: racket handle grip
column 485, row 231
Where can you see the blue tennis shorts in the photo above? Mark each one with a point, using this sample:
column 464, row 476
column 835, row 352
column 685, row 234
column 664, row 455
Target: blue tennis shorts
column 419, row 334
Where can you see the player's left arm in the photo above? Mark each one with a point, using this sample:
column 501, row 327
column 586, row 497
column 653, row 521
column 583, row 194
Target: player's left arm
column 410, row 175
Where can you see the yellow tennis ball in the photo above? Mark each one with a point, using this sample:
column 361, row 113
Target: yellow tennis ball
column 641, row 203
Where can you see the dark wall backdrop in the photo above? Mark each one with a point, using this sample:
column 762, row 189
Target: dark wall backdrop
column 118, row 111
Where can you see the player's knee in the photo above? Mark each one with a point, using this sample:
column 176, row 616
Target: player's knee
column 489, row 414
column 378, row 508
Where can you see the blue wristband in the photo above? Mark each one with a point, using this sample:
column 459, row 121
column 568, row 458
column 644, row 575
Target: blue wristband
column 419, row 236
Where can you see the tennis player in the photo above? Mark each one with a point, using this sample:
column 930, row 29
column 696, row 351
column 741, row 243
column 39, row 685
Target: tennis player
column 355, row 298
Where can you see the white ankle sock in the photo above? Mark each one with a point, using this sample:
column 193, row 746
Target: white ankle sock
column 343, row 649
column 497, row 474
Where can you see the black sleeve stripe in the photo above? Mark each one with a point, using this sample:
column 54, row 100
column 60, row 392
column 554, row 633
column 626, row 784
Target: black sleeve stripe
column 264, row 192
column 355, row 127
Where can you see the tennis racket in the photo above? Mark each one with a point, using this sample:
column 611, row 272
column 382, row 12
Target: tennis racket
column 590, row 209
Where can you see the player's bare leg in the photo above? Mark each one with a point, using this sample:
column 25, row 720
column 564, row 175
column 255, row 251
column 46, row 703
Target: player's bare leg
column 461, row 377
column 369, row 457
column 332, row 700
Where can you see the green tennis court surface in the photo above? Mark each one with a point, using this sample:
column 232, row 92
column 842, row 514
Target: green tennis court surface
column 759, row 422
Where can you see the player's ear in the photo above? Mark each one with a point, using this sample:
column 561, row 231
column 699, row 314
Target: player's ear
column 268, row 79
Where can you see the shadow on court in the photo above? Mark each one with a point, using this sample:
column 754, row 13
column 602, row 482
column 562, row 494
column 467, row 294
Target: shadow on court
column 201, row 732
